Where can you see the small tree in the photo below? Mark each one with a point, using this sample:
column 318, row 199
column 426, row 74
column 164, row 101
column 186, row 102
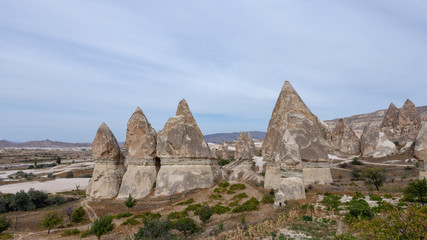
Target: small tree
column 205, row 213
column 4, row 223
column 70, row 174
column 58, row 160
column 375, row 177
column 50, row 220
column 416, row 191
column 78, row 214
column 130, row 202
column 102, row 226
column 186, row 225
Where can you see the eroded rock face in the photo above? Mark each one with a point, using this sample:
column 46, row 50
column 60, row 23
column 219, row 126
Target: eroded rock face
column 109, row 168
column 243, row 151
column 186, row 160
column 291, row 114
column 251, row 143
column 402, row 126
column 421, row 145
column 344, row 139
column 375, row 143
column 141, row 171
column 295, row 138
column 291, row 188
column 225, row 152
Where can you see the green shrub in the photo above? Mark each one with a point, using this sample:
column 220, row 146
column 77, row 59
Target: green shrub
column 222, row 162
column 416, row 191
column 122, row 215
column 177, row 215
column 356, row 173
column 131, row 221
column 307, row 218
column 193, row 208
column 219, row 209
column 230, row 192
column 307, row 206
column 239, row 196
column 224, row 184
column 205, row 213
column 358, row 195
column 215, row 196
column 130, row 202
column 51, row 175
column 148, row 216
column 102, row 225
column 70, row 174
column 267, row 198
column 70, row 232
column 219, row 190
column 356, row 161
column 249, row 205
column 237, row 186
column 374, row 197
column 78, row 215
column 50, row 220
column 86, row 176
column 331, row 202
column 189, row 201
column 359, row 208
column 345, row 236
column 388, row 195
column 234, row 203
column 186, row 225
column 155, row 229
column 4, row 223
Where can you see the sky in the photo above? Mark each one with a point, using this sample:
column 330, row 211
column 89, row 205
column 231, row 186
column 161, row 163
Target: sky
column 66, row 66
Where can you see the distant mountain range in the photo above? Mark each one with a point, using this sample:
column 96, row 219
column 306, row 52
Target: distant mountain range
column 357, row 122
column 42, row 144
column 230, row 137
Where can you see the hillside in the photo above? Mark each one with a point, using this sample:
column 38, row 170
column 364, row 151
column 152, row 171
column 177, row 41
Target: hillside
column 42, row 144
column 230, row 137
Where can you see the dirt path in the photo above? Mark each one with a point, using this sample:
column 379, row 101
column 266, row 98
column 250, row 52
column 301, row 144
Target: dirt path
column 90, row 212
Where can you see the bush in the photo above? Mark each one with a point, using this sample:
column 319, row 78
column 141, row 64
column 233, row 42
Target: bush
column 57, row 200
column 50, row 220
column 267, row 198
column 186, row 225
column 230, row 192
column 234, row 203
column 331, row 202
column 193, row 207
column 102, row 225
column 177, row 215
column 356, row 161
column 86, row 176
column 307, row 218
column 223, row 162
column 345, row 236
column 215, row 196
column 250, row 205
column 219, row 190
column 155, row 229
column 130, row 202
column 239, row 196
column 70, row 232
column 237, row 186
column 122, row 215
column 356, row 173
column 224, row 184
column 416, row 191
column 131, row 221
column 148, row 216
column 38, row 198
column 4, row 223
column 205, row 213
column 51, row 175
column 78, row 215
column 70, row 174
column 374, row 197
column 374, row 176
column 189, row 201
column 359, row 209
column 219, row 209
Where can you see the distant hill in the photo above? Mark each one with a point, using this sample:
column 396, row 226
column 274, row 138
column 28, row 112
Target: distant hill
column 42, row 144
column 358, row 122
column 230, row 137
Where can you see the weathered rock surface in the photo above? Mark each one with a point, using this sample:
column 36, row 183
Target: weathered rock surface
column 291, row 114
column 243, row 151
column 402, row 126
column 291, row 188
column 109, row 168
column 225, row 152
column 186, row 160
column 317, row 176
column 375, row 143
column 344, row 139
column 295, row 138
column 141, row 170
column 251, row 143
column 421, row 144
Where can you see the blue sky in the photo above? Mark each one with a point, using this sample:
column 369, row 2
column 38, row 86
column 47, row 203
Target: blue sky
column 67, row 66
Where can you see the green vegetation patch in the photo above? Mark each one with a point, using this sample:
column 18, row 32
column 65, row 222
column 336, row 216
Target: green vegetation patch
column 189, row 201
column 250, row 205
column 237, row 186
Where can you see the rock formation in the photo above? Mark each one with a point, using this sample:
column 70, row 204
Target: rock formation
column 225, row 152
column 109, row 168
column 295, row 138
column 344, row 139
column 291, row 188
column 402, row 125
column 186, row 159
column 374, row 143
column 243, row 150
column 421, row 150
column 141, row 158
column 251, row 143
